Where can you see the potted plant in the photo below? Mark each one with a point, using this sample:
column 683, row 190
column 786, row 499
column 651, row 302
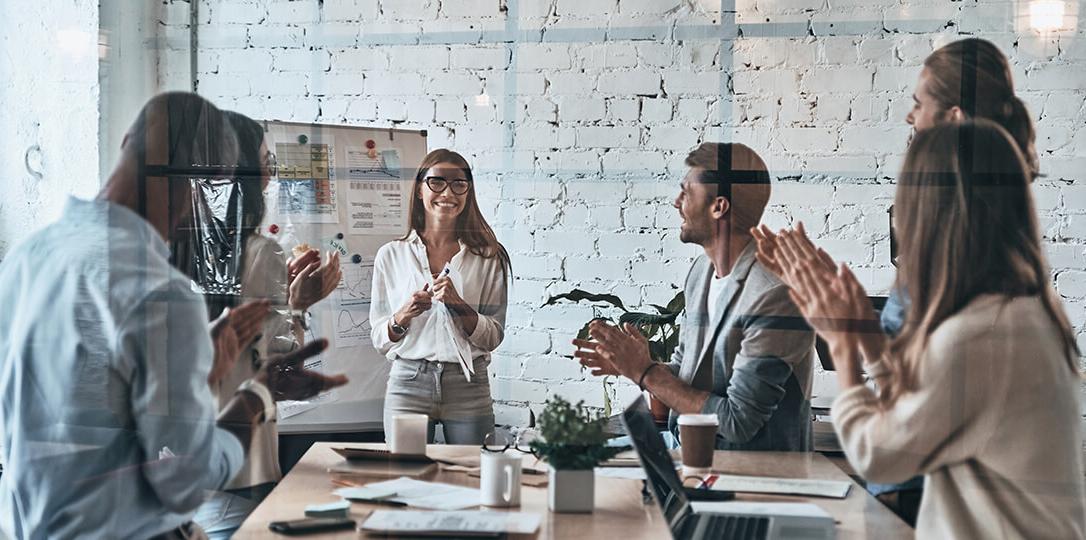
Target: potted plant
column 572, row 442
column 660, row 329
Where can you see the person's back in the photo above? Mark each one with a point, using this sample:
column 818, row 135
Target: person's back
column 1026, row 478
column 105, row 355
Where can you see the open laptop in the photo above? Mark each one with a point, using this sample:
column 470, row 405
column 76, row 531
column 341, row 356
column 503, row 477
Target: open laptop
column 744, row 521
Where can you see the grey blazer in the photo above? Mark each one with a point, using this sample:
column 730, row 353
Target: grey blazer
column 755, row 358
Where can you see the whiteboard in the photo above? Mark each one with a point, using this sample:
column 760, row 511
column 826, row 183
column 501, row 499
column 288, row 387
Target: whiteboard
column 346, row 188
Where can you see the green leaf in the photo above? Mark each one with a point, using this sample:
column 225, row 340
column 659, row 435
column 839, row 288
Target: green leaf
column 577, row 295
column 642, row 319
column 677, row 304
column 583, row 332
column 659, row 308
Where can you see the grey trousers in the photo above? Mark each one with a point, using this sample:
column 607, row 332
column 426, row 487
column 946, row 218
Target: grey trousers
column 439, row 390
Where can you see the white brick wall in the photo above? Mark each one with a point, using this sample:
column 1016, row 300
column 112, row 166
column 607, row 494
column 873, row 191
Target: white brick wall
column 609, row 95
column 49, row 88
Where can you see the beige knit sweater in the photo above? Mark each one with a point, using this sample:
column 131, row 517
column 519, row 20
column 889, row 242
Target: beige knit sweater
column 994, row 427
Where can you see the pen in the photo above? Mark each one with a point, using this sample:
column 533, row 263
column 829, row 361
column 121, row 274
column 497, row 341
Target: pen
column 708, row 482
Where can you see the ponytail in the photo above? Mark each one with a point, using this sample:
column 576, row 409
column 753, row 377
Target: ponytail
column 1019, row 124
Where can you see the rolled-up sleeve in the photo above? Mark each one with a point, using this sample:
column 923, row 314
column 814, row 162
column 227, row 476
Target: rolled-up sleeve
column 490, row 330
column 166, row 345
column 380, row 306
column 775, row 340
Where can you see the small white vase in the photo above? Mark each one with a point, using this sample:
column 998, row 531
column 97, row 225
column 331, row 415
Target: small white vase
column 571, row 490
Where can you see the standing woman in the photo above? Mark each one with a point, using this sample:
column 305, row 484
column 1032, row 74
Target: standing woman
column 981, row 386
column 439, row 301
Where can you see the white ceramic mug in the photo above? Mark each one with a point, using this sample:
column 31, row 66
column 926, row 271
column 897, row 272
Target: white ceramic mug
column 408, row 434
column 499, row 477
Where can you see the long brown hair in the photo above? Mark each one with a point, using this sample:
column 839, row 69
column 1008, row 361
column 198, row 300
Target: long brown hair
column 471, row 228
column 964, row 202
column 974, row 75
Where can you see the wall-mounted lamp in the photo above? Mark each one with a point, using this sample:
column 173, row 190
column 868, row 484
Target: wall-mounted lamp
column 1046, row 15
column 75, row 43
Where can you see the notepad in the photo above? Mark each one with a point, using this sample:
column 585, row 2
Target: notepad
column 465, row 523
column 780, row 486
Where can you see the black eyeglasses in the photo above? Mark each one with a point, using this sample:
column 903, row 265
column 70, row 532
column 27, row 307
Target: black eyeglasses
column 500, row 442
column 437, row 184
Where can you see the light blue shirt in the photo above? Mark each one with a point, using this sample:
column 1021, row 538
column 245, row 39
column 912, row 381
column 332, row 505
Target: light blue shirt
column 104, row 357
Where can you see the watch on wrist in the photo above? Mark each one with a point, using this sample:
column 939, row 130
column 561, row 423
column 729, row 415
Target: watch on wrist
column 299, row 316
column 261, row 391
column 396, row 328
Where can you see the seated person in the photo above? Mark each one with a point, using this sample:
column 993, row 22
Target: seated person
column 109, row 425
column 980, row 390
column 744, row 354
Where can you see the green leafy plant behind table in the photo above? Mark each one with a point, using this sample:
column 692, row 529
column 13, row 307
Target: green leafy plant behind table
column 573, row 437
column 660, row 328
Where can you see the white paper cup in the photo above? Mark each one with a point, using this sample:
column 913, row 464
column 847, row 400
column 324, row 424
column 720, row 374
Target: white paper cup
column 697, row 436
column 408, row 434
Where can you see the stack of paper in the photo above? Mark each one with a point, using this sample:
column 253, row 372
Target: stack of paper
column 780, row 486
column 451, row 523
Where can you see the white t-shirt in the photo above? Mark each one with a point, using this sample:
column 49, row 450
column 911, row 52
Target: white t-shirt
column 402, row 267
column 716, row 286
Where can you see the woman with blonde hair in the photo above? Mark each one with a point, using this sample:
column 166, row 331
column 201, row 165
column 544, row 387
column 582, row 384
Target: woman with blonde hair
column 439, row 302
column 980, row 389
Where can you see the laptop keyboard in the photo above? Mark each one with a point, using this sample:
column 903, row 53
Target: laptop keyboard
column 724, row 526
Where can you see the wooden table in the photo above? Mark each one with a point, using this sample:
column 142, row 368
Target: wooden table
column 620, row 513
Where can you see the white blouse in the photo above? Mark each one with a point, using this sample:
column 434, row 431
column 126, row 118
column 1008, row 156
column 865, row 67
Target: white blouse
column 402, row 267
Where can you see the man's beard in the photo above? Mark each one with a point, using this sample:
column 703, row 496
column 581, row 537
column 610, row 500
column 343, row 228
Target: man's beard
column 690, row 235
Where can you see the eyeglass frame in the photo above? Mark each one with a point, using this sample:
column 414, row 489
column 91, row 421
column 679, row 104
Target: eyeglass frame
column 448, row 184
column 515, row 445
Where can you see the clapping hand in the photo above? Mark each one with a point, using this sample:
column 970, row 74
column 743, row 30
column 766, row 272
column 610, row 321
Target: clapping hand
column 231, row 332
column 310, row 280
column 287, row 378
column 828, row 295
column 614, row 352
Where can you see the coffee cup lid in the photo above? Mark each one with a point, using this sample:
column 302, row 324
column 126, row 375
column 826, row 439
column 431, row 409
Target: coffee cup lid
column 698, row 420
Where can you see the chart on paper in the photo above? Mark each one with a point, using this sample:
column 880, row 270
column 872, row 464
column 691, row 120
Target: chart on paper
column 374, row 191
column 354, row 288
column 352, row 326
column 307, row 183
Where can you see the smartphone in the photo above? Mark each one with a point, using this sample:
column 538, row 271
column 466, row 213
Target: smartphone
column 706, row 494
column 311, row 525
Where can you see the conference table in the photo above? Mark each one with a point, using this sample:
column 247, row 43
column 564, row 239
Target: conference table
column 620, row 512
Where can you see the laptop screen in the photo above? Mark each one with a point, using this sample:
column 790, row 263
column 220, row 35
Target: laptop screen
column 656, row 460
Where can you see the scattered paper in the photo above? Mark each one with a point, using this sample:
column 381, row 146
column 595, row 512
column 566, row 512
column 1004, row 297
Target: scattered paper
column 782, row 486
column 364, row 493
column 431, row 495
column 451, row 523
